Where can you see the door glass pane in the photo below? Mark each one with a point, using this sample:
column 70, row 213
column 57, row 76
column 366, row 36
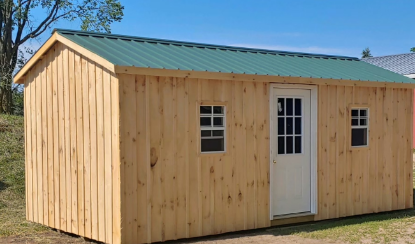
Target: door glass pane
column 297, row 106
column 281, row 106
column 290, row 146
column 281, row 126
column 289, row 126
column 281, row 145
column 289, row 106
column 298, row 144
column 298, row 126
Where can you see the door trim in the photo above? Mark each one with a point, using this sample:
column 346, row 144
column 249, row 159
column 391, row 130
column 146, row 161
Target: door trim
column 313, row 144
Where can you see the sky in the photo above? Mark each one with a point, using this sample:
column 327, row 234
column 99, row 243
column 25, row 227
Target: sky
column 339, row 27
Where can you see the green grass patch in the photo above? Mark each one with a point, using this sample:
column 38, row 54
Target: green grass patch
column 12, row 181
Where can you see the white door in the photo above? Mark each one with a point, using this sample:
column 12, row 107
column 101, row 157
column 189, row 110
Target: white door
column 291, row 152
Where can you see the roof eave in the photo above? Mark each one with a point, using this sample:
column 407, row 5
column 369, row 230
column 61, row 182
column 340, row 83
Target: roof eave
column 56, row 37
column 256, row 77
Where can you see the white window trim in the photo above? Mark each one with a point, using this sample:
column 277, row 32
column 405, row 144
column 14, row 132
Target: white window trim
column 212, row 127
column 367, row 117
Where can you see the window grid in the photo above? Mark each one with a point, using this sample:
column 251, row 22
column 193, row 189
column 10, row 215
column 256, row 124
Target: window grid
column 360, row 120
column 214, row 127
column 293, row 134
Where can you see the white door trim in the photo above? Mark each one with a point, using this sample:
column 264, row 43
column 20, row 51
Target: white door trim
column 313, row 143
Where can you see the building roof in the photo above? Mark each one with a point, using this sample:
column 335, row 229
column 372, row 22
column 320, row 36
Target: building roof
column 403, row 64
column 129, row 51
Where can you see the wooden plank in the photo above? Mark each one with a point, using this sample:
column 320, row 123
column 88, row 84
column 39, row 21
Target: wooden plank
column 182, row 160
column 402, row 98
column 73, row 150
column 216, row 177
column 141, row 126
column 39, row 144
column 380, row 96
column 332, row 143
column 155, row 160
column 341, row 151
column 29, row 145
column 108, row 155
column 67, row 137
column 44, row 135
column 387, row 156
column 50, row 142
column 25, row 106
column 87, row 148
column 373, row 171
column 61, row 144
column 56, row 138
column 250, row 153
column 228, row 163
column 357, row 162
column 349, row 172
column 167, row 102
column 409, row 152
column 262, row 128
column 116, row 163
column 364, row 159
column 322, row 164
column 394, row 164
column 100, row 154
column 129, row 156
column 80, row 203
column 194, row 206
column 240, row 162
column 93, row 137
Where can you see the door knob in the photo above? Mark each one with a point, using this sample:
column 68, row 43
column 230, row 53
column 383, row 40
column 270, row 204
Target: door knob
column 275, row 162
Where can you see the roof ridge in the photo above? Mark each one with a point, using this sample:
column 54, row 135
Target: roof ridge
column 390, row 55
column 195, row 44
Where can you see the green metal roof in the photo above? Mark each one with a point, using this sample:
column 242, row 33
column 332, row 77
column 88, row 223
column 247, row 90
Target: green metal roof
column 176, row 55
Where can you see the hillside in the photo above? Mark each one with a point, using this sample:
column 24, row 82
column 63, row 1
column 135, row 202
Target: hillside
column 12, row 183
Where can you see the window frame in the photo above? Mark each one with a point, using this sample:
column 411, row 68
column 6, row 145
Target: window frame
column 212, row 127
column 367, row 117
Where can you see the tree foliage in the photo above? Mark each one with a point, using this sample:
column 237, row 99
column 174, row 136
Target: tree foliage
column 366, row 53
column 19, row 23
column 412, row 49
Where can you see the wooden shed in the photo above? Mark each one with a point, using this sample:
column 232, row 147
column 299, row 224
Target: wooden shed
column 137, row 140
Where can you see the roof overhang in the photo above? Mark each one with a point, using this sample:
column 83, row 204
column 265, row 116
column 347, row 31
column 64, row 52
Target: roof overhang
column 259, row 78
column 19, row 77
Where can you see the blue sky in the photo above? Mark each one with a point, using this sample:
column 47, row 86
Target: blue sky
column 343, row 27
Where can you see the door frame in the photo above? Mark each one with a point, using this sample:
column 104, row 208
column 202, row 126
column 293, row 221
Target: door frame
column 313, row 145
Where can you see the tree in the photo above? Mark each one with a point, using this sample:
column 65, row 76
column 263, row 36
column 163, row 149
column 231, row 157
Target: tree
column 366, row 53
column 18, row 25
column 412, row 49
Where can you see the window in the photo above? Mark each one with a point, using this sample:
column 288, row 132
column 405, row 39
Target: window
column 212, row 129
column 360, row 127
column 290, row 125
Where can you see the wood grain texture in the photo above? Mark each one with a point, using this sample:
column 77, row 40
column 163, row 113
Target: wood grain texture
column 188, row 193
column 71, row 157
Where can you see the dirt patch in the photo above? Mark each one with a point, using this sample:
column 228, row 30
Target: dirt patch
column 43, row 238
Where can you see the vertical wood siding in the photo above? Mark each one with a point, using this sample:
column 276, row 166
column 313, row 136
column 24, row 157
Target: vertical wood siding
column 170, row 190
column 353, row 181
column 72, row 146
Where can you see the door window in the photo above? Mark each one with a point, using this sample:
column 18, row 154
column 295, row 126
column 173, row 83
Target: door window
column 290, row 125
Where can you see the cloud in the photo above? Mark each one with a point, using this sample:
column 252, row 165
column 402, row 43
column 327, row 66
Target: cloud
column 306, row 49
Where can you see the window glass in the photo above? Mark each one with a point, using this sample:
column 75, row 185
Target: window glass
column 212, row 126
column 360, row 127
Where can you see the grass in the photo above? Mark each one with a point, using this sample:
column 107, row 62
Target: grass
column 12, row 182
